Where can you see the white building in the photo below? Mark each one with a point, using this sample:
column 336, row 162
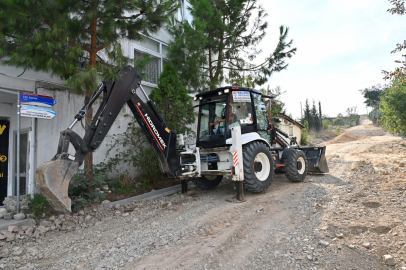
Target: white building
column 39, row 137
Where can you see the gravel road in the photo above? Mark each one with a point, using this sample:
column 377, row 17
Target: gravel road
column 348, row 219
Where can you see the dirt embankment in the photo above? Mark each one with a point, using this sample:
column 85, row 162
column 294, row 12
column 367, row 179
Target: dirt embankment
column 348, row 219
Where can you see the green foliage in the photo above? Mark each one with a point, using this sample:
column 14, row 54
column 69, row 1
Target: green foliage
column 134, row 150
column 38, row 206
column 399, row 75
column 83, row 191
column 338, row 121
column 326, row 124
column 220, row 43
column 47, row 36
column 313, row 116
column 304, row 137
column 393, row 108
column 173, row 100
column 338, row 130
column 372, row 97
column 353, row 116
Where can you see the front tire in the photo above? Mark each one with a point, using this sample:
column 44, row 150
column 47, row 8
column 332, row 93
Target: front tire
column 296, row 167
column 258, row 167
column 207, row 182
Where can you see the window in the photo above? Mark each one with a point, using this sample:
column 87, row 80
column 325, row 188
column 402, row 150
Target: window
column 157, row 52
column 260, row 112
column 152, row 69
column 290, row 130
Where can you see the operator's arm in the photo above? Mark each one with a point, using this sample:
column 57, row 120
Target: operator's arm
column 218, row 121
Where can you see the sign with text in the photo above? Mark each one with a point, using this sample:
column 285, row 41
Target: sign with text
column 37, row 100
column 4, row 144
column 241, row 96
column 38, row 112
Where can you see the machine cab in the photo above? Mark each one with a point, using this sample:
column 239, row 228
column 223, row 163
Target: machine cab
column 222, row 108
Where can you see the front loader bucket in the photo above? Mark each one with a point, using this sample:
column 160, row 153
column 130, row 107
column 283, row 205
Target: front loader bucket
column 52, row 179
column 316, row 158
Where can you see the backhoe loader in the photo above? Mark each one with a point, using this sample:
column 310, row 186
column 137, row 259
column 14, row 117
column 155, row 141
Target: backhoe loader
column 235, row 137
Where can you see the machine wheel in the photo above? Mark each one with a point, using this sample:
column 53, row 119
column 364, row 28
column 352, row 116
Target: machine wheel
column 207, row 181
column 296, row 167
column 258, row 167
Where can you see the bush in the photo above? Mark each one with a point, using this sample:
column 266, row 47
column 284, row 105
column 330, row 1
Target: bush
column 338, row 121
column 38, row 206
column 82, row 191
column 304, row 137
column 326, row 124
column 137, row 153
column 338, row 130
column 393, row 108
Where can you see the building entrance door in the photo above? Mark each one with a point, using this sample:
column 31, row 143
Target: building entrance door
column 4, row 142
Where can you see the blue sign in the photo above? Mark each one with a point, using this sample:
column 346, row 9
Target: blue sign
column 37, row 100
column 37, row 112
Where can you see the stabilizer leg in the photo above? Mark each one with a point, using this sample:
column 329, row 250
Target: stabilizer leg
column 240, row 190
column 184, row 185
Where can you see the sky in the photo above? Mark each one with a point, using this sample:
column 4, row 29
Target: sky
column 342, row 47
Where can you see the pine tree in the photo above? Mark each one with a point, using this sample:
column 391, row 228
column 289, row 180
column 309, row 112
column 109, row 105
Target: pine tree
column 307, row 113
column 68, row 37
column 315, row 117
column 173, row 100
column 220, row 42
column 320, row 116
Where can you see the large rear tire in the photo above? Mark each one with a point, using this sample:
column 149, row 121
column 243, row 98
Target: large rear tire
column 258, row 167
column 207, row 181
column 297, row 166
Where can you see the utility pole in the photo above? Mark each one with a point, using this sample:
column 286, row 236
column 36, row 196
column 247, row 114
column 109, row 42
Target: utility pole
column 301, row 111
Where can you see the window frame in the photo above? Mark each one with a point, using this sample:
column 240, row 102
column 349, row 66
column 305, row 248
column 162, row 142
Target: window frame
column 134, row 46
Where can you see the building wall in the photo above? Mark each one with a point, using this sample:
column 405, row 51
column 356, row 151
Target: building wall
column 290, row 128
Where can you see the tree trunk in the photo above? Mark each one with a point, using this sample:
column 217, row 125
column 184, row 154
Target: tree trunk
column 89, row 113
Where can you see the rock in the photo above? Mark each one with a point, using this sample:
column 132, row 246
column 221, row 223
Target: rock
column 58, row 222
column 2, row 237
column 402, row 164
column 169, row 204
column 46, row 223
column 13, row 229
column 17, row 251
column 324, row 243
column 42, row 229
column 19, row 216
column 88, row 217
column 126, row 214
column 117, row 206
column 100, row 208
column 388, row 259
column 8, row 216
column 80, row 266
column 340, row 235
column 2, row 266
column 154, row 224
column 4, row 252
column 366, row 245
column 52, row 218
column 2, row 212
column 81, row 213
column 29, row 231
column 105, row 187
column 105, row 201
column 10, row 236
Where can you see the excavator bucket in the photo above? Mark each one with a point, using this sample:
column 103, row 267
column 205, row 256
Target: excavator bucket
column 52, row 179
column 316, row 158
